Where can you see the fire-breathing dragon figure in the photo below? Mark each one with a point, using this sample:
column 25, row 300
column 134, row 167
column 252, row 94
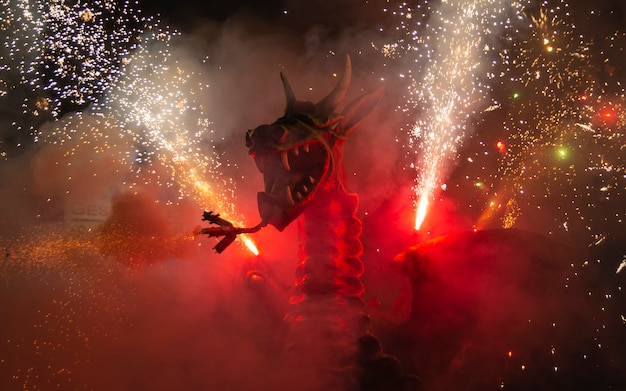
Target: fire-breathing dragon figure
column 301, row 158
column 473, row 294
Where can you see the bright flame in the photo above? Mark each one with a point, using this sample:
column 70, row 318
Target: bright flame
column 422, row 207
column 250, row 244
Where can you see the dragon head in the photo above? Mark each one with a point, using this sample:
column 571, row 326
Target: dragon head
column 301, row 152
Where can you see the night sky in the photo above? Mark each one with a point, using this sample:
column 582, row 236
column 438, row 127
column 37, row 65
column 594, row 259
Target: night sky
column 121, row 122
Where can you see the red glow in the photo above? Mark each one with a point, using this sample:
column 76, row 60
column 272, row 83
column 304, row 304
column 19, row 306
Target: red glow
column 254, row 275
column 608, row 114
column 501, row 147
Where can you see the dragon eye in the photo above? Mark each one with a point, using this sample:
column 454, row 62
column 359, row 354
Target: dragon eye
column 266, row 134
column 278, row 134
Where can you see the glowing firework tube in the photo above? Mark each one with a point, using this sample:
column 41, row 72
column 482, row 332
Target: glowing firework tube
column 426, row 188
column 422, row 208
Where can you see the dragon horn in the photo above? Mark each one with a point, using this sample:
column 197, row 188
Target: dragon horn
column 332, row 100
column 291, row 97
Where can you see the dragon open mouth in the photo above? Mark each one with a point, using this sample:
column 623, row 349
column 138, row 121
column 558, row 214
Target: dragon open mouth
column 298, row 155
column 298, row 152
column 291, row 179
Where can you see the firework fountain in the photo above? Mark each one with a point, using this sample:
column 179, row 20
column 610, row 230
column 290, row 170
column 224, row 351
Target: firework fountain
column 121, row 68
column 453, row 42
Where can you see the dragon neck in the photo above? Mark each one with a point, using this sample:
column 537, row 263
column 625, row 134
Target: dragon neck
column 329, row 256
column 327, row 312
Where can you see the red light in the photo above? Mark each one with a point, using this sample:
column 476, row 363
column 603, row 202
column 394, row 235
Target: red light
column 501, row 147
column 608, row 114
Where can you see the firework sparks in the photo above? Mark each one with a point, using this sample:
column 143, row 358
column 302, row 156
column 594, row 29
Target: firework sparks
column 557, row 108
column 536, row 99
column 119, row 66
column 454, row 85
column 161, row 103
column 69, row 55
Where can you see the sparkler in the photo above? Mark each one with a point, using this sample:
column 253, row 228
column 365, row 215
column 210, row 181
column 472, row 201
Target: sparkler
column 163, row 96
column 458, row 54
column 161, row 103
column 454, row 85
column 106, row 58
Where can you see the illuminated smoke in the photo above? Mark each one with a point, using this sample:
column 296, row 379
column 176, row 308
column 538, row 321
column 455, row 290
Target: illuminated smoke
column 551, row 160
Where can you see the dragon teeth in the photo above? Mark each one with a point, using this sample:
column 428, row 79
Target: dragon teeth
column 312, row 180
column 269, row 184
column 283, row 138
column 296, row 151
column 289, row 197
column 306, row 148
column 284, row 160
